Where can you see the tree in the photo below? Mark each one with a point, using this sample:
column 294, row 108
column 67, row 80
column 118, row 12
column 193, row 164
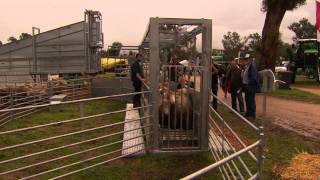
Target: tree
column 104, row 53
column 24, row 36
column 303, row 30
column 275, row 11
column 232, row 44
column 115, row 49
column 12, row 39
column 253, row 42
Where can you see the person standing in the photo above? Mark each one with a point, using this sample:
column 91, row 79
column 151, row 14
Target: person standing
column 131, row 58
column 216, row 72
column 137, row 79
column 234, row 86
column 250, row 84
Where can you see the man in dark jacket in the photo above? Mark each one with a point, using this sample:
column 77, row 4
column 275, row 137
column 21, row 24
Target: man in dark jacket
column 250, row 84
column 137, row 78
column 234, row 86
column 216, row 72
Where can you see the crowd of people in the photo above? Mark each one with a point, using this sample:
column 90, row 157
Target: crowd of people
column 241, row 77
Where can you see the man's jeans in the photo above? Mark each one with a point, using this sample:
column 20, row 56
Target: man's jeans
column 237, row 97
column 137, row 97
column 250, row 93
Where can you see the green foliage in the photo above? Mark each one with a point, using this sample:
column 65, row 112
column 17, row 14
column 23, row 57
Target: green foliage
column 253, row 42
column 232, row 44
column 303, row 29
column 12, row 39
column 24, row 36
column 115, row 49
column 287, row 5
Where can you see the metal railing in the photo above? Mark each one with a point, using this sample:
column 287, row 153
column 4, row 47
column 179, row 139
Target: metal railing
column 39, row 93
column 93, row 140
column 233, row 156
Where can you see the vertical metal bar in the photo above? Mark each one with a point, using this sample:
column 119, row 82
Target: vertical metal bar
column 11, row 103
column 90, row 87
column 73, row 89
column 188, row 110
column 34, row 50
column 169, row 105
column 85, row 39
column 81, row 109
column 181, row 106
column 260, row 152
column 163, row 104
column 121, row 89
column 194, row 109
column 175, row 120
column 206, row 58
column 154, row 75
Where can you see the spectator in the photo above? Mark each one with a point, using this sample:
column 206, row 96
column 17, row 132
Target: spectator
column 250, row 84
column 216, row 72
column 234, row 86
column 137, row 79
column 131, row 58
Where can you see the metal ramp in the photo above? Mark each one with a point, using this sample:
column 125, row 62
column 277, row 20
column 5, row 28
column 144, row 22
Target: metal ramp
column 132, row 136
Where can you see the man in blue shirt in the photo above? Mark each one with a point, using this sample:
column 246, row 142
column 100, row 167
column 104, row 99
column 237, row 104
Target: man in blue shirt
column 137, row 78
column 250, row 83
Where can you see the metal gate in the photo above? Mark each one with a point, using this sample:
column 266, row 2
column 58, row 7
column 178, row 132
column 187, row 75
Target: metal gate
column 180, row 93
column 179, row 108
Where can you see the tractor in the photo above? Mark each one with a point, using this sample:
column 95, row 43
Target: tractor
column 307, row 58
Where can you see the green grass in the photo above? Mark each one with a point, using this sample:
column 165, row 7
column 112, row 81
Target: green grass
column 296, row 94
column 281, row 146
column 151, row 166
column 46, row 116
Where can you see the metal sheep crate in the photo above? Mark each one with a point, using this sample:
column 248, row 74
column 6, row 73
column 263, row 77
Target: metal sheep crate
column 71, row 49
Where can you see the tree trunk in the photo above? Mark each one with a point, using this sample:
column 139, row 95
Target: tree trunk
column 270, row 36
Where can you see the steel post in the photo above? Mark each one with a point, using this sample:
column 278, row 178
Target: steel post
column 154, row 76
column 206, row 63
column 260, row 153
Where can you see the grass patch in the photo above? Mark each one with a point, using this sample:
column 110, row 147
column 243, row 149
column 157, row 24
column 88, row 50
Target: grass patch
column 46, row 116
column 281, row 147
column 150, row 166
column 303, row 81
column 296, row 94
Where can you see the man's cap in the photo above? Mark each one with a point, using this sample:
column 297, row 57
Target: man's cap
column 244, row 55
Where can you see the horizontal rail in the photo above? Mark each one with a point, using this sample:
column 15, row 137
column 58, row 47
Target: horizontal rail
column 74, row 144
column 76, row 101
column 221, row 162
column 80, row 162
column 231, row 130
column 231, row 147
column 70, row 155
column 98, row 164
column 72, row 120
column 235, row 112
column 68, row 134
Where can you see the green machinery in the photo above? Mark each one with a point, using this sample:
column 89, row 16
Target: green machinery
column 307, row 58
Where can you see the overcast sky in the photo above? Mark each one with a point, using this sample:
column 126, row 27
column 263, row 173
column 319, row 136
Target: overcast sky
column 126, row 20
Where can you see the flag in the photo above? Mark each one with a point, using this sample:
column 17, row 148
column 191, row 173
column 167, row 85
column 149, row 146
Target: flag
column 318, row 18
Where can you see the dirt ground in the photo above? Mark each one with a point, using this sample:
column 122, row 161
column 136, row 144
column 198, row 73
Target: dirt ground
column 300, row 117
